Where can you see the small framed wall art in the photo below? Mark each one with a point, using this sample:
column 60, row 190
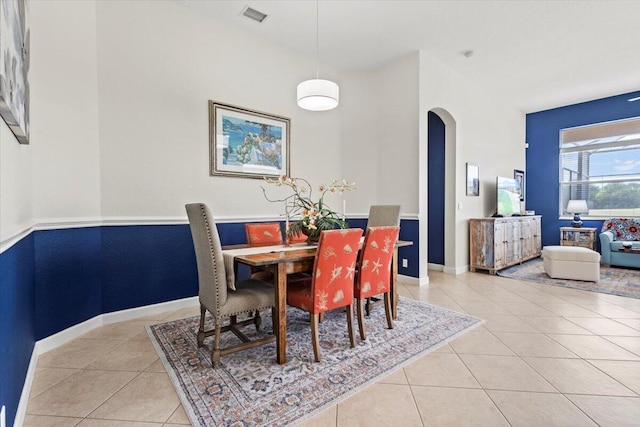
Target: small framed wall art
column 473, row 180
column 246, row 143
column 518, row 175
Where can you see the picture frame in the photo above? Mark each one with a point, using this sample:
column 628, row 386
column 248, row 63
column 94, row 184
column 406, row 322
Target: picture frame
column 473, row 180
column 14, row 67
column 246, row 143
column 518, row 175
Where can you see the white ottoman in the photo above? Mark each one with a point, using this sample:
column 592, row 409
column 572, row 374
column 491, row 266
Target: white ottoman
column 571, row 262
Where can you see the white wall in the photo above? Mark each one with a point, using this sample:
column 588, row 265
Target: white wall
column 159, row 64
column 489, row 133
column 64, row 95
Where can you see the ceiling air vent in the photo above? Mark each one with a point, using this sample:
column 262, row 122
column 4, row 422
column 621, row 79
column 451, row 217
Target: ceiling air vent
column 254, row 14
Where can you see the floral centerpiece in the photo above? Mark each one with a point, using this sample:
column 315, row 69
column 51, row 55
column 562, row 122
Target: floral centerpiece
column 310, row 216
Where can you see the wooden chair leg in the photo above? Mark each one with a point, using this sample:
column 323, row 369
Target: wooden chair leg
column 367, row 307
column 203, row 312
column 387, row 309
column 314, row 336
column 359, row 309
column 215, row 353
column 350, row 324
column 273, row 321
column 257, row 320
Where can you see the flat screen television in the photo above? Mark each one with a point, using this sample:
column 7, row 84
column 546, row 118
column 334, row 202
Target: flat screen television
column 507, row 196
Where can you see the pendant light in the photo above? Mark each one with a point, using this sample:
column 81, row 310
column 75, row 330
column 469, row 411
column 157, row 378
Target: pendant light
column 318, row 94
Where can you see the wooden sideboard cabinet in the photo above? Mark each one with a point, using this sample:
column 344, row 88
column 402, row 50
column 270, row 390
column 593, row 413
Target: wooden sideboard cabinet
column 497, row 243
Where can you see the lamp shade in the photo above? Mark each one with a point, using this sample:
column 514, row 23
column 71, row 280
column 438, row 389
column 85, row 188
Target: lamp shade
column 318, row 95
column 577, row 206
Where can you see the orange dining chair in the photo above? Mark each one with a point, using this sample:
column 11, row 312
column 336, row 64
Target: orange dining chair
column 374, row 274
column 263, row 234
column 331, row 283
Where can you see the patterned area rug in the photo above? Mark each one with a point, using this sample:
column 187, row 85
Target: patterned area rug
column 250, row 389
column 613, row 280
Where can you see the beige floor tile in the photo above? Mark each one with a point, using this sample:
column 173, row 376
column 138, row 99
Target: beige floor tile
column 534, row 345
column 610, row 411
column 482, row 308
column 593, row 347
column 78, row 395
column 610, row 310
column 505, row 373
column 471, row 408
column 554, row 325
column 444, row 348
column 577, row 376
column 45, row 378
column 119, row 331
column 628, row 373
column 396, row 377
column 507, row 323
column 440, row 369
column 77, row 353
column 604, row 326
column 48, row 421
column 479, row 342
column 538, row 409
column 182, row 313
column 129, row 356
column 374, row 407
column 632, row 323
column 149, row 397
column 156, row 366
column 628, row 343
column 525, row 309
column 179, row 416
column 87, row 422
column 326, row 418
column 570, row 310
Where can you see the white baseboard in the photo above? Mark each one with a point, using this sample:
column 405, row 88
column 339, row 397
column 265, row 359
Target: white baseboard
column 435, row 267
column 419, row 281
column 63, row 337
column 456, row 270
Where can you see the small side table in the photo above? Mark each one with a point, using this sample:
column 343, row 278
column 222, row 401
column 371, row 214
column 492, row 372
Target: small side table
column 583, row 236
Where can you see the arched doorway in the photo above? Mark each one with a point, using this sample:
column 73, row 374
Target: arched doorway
column 441, row 187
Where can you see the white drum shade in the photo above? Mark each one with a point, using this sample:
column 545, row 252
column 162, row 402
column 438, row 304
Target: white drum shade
column 318, row 95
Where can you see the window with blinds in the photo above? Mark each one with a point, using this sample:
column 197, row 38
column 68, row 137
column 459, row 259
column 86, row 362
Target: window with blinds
column 601, row 164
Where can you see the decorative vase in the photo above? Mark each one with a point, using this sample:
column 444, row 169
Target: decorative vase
column 312, row 238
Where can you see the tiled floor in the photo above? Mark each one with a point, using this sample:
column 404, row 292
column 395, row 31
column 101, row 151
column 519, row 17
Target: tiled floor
column 546, row 356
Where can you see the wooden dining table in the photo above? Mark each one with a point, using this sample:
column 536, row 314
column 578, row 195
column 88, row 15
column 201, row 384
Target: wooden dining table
column 285, row 262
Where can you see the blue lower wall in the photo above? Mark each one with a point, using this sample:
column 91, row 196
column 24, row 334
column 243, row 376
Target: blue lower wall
column 543, row 167
column 17, row 321
column 54, row 279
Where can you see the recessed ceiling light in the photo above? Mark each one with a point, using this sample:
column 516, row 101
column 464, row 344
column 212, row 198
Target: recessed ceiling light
column 637, row 98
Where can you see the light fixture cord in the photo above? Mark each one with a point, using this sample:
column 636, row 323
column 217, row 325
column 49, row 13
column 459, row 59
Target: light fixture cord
column 317, row 39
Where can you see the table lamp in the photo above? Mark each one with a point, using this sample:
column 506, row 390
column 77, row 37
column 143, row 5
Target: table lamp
column 577, row 207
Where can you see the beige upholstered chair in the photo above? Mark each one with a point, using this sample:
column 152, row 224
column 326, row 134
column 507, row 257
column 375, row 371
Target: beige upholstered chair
column 381, row 216
column 384, row 216
column 250, row 295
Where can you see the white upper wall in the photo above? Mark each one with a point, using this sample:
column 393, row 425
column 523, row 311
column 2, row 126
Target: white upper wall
column 64, row 111
column 489, row 133
column 159, row 64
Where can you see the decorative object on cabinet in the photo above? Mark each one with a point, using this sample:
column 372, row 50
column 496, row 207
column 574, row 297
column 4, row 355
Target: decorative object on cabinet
column 473, row 180
column 246, row 143
column 582, row 236
column 497, row 243
column 14, row 67
column 518, row 175
column 576, row 207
